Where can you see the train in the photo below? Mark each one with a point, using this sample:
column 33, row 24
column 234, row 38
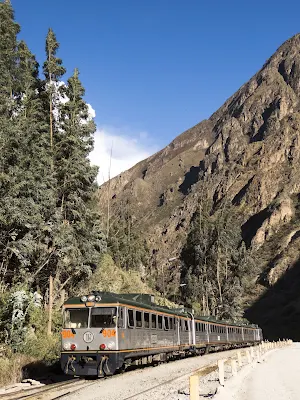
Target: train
column 105, row 332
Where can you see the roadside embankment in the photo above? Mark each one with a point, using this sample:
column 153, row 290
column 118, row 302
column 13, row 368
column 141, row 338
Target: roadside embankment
column 276, row 378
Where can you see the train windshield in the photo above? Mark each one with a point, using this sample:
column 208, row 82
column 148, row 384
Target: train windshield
column 103, row 317
column 76, row 318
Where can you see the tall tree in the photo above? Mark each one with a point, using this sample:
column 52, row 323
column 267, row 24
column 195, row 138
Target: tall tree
column 216, row 264
column 25, row 183
column 78, row 238
column 53, row 70
column 8, row 77
column 8, row 56
column 28, row 197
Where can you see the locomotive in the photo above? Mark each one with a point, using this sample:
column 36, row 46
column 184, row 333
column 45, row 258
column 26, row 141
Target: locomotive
column 104, row 332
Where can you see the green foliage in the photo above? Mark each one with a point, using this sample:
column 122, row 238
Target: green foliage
column 48, row 218
column 49, row 224
column 38, row 344
column 8, row 59
column 53, row 68
column 23, row 325
column 125, row 244
column 110, row 277
column 216, row 265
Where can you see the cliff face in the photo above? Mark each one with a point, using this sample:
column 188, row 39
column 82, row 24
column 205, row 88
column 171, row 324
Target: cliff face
column 247, row 154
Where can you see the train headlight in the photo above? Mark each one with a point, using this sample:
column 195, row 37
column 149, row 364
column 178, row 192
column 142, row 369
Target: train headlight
column 84, row 299
column 98, row 298
column 91, row 297
column 67, row 346
column 73, row 346
column 111, row 345
column 102, row 346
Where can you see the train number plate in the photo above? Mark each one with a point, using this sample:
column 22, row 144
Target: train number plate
column 88, row 337
column 153, row 339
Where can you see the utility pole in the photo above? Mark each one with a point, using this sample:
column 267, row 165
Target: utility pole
column 163, row 282
column 50, row 306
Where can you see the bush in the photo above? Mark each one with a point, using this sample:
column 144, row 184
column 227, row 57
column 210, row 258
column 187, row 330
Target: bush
column 11, row 369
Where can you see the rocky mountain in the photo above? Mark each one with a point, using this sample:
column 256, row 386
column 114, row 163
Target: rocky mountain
column 247, row 155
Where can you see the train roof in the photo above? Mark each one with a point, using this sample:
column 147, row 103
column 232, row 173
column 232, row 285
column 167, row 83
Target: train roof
column 147, row 301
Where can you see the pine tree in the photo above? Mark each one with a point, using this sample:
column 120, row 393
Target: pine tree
column 48, row 222
column 27, row 192
column 78, row 239
column 53, row 70
column 8, row 141
column 8, row 56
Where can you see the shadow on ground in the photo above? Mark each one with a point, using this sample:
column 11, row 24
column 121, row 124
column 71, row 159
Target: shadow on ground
column 277, row 311
column 44, row 372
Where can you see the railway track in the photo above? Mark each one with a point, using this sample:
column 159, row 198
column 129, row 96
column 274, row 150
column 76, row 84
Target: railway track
column 49, row 392
column 200, row 371
column 59, row 390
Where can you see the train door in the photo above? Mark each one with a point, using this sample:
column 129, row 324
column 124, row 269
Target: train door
column 121, row 328
column 177, row 330
column 207, row 332
column 190, row 330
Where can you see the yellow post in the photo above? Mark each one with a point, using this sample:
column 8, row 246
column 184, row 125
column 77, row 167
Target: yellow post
column 248, row 356
column 239, row 354
column 233, row 367
column 221, row 372
column 194, row 387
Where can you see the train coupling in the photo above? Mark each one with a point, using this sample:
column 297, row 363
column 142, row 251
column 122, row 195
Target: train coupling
column 103, row 369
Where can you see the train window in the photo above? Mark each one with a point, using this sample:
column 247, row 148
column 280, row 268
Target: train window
column 196, row 326
column 121, row 318
column 182, row 325
column 166, row 322
column 172, row 323
column 138, row 319
column 75, row 318
column 159, row 321
column 186, row 325
column 153, row 319
column 103, row 317
column 146, row 320
column 130, row 319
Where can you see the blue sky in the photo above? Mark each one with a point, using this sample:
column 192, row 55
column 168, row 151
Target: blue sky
column 154, row 68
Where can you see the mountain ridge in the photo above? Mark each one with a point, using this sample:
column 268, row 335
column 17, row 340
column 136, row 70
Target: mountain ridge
column 247, row 155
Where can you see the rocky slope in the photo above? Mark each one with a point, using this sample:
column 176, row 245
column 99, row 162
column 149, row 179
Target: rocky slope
column 247, row 154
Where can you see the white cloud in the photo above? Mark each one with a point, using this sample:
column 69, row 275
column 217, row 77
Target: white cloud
column 92, row 112
column 118, row 150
